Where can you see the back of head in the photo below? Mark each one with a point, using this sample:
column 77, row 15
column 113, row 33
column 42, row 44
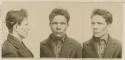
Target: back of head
column 15, row 17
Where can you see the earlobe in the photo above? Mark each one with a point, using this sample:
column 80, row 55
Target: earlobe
column 15, row 27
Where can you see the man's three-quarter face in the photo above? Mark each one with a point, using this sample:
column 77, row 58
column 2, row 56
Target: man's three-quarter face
column 59, row 25
column 99, row 26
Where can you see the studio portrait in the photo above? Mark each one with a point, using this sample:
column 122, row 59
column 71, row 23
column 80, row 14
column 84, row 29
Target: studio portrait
column 76, row 30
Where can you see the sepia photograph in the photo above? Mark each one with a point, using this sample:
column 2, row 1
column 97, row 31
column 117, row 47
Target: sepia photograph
column 39, row 30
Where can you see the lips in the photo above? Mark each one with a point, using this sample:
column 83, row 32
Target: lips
column 96, row 32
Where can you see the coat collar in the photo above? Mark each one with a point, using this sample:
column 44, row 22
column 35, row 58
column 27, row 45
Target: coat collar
column 110, row 48
column 14, row 41
column 111, row 45
column 66, row 49
column 23, row 50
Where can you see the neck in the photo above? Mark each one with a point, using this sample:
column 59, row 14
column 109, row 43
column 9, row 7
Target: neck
column 15, row 34
column 58, row 38
column 104, row 36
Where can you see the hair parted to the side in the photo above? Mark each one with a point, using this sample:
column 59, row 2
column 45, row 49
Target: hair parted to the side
column 104, row 13
column 59, row 11
column 15, row 17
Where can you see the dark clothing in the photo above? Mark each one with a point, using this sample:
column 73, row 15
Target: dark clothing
column 113, row 49
column 12, row 47
column 69, row 49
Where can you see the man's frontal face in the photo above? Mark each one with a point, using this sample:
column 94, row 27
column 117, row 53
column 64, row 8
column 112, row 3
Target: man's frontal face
column 99, row 26
column 59, row 25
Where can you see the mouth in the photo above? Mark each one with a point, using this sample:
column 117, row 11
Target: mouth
column 96, row 33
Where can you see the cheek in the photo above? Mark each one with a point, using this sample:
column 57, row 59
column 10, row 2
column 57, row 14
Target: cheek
column 103, row 28
column 53, row 27
column 64, row 27
column 24, row 29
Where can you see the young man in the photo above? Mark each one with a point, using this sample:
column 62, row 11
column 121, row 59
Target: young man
column 58, row 44
column 101, row 45
column 17, row 24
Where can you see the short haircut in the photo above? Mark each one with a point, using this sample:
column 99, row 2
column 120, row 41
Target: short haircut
column 104, row 13
column 59, row 11
column 15, row 17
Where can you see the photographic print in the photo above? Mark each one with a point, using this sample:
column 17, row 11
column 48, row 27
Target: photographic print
column 41, row 30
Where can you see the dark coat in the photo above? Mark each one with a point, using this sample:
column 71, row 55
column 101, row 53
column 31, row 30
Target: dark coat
column 14, row 48
column 113, row 49
column 70, row 49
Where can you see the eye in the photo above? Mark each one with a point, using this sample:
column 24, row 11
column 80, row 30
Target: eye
column 63, row 23
column 99, row 23
column 54, row 22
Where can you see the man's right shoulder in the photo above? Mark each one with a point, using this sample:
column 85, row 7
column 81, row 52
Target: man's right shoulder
column 44, row 42
column 87, row 42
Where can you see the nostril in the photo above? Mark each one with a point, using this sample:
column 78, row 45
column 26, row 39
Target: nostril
column 58, row 28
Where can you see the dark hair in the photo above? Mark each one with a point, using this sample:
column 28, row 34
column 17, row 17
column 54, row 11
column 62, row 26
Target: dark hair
column 104, row 13
column 15, row 17
column 59, row 11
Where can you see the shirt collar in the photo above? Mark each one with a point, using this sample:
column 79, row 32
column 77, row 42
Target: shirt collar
column 13, row 40
column 14, row 37
column 105, row 38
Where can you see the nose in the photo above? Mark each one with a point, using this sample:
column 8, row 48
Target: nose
column 95, row 26
column 58, row 27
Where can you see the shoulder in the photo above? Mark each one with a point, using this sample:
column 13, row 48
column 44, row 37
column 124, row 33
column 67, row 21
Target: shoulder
column 88, row 42
column 115, row 41
column 44, row 43
column 8, row 48
column 7, row 44
column 73, row 41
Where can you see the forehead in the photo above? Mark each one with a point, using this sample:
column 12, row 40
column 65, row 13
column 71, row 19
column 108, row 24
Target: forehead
column 59, row 18
column 98, row 18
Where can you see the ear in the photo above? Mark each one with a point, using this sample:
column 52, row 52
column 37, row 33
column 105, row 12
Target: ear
column 15, row 27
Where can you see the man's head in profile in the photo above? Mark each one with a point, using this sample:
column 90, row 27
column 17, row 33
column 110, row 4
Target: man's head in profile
column 59, row 19
column 100, row 20
column 17, row 23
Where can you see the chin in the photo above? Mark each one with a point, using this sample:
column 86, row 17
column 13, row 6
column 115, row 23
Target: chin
column 24, row 36
column 97, row 36
column 58, row 36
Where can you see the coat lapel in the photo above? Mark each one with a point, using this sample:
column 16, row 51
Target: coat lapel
column 21, row 48
column 94, row 48
column 15, row 42
column 24, row 51
column 109, row 50
column 50, row 48
column 67, row 48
